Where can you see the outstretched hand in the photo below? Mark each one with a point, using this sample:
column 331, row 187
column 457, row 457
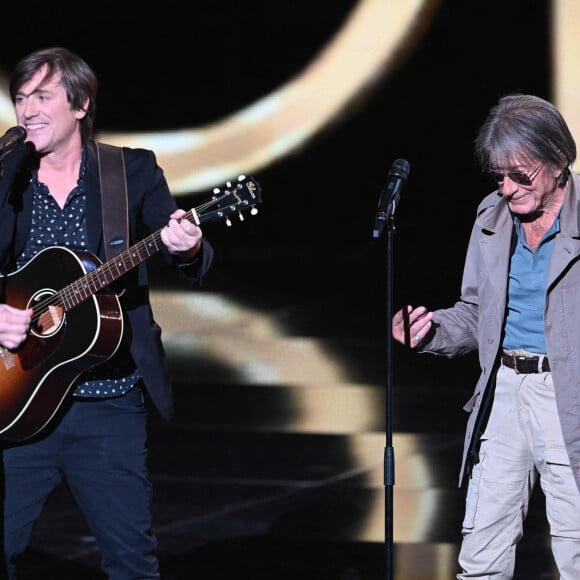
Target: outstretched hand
column 410, row 325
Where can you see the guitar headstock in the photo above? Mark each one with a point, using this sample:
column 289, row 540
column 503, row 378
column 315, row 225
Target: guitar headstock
column 237, row 197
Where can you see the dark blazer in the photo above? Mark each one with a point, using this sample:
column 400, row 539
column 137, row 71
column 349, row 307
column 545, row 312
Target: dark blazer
column 149, row 205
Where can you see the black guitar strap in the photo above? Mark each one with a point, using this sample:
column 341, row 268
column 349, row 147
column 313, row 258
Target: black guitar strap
column 113, row 199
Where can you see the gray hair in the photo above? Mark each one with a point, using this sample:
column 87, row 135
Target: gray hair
column 525, row 126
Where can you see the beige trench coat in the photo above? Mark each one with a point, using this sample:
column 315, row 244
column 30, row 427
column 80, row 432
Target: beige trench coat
column 476, row 321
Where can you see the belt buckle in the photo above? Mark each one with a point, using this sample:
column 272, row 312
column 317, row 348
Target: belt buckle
column 515, row 357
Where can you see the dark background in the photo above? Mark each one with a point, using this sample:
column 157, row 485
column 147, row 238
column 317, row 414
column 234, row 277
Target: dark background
column 309, row 255
column 170, row 66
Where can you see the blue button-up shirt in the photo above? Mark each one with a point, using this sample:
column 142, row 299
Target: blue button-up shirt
column 524, row 327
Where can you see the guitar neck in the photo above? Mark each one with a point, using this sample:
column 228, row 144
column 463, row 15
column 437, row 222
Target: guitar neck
column 243, row 195
column 101, row 277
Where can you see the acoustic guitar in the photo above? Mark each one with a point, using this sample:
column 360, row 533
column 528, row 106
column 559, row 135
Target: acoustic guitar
column 77, row 322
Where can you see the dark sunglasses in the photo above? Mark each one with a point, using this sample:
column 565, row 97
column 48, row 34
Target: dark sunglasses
column 518, row 177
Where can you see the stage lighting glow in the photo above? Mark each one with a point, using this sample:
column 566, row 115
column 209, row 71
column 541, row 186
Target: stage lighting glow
column 368, row 47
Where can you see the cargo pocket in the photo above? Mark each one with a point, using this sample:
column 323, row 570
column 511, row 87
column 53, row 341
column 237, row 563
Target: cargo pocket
column 558, row 468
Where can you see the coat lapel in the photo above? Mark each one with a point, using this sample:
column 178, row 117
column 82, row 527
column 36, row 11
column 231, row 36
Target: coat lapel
column 497, row 224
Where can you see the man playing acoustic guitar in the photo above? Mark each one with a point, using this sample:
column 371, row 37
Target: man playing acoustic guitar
column 73, row 381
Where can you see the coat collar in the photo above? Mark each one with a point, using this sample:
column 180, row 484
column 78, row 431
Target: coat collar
column 493, row 211
column 570, row 215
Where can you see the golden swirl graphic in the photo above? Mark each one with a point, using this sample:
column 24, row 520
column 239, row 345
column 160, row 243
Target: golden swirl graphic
column 372, row 42
column 566, row 44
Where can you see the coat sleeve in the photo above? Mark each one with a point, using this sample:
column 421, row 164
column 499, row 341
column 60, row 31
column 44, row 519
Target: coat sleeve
column 151, row 204
column 455, row 329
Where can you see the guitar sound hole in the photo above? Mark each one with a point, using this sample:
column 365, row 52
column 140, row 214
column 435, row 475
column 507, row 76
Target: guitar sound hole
column 47, row 318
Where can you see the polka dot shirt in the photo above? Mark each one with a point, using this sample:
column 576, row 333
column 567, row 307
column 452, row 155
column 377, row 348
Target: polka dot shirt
column 53, row 226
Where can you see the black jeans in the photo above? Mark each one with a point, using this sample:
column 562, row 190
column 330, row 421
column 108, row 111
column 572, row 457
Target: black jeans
column 99, row 449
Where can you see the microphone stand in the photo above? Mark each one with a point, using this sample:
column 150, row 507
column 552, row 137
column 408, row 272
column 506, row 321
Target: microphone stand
column 385, row 219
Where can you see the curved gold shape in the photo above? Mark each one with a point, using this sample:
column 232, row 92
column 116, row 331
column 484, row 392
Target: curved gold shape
column 370, row 44
column 566, row 44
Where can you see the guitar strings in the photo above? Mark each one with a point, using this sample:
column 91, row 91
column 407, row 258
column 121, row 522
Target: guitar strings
column 81, row 289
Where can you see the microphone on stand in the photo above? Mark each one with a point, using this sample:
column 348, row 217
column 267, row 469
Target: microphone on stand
column 388, row 201
column 389, row 197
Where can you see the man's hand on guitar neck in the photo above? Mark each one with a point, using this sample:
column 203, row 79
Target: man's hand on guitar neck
column 14, row 326
column 181, row 237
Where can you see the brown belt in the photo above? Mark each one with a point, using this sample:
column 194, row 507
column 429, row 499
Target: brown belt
column 526, row 364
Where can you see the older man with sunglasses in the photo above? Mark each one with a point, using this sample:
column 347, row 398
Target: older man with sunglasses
column 520, row 309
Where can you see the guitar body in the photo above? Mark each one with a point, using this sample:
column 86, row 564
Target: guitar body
column 62, row 343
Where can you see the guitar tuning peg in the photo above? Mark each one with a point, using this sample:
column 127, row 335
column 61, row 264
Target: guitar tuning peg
column 241, row 177
column 216, row 190
column 241, row 216
column 229, row 184
column 228, row 222
column 254, row 211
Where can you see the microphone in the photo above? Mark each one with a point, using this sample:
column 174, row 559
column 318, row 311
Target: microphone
column 389, row 197
column 13, row 137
